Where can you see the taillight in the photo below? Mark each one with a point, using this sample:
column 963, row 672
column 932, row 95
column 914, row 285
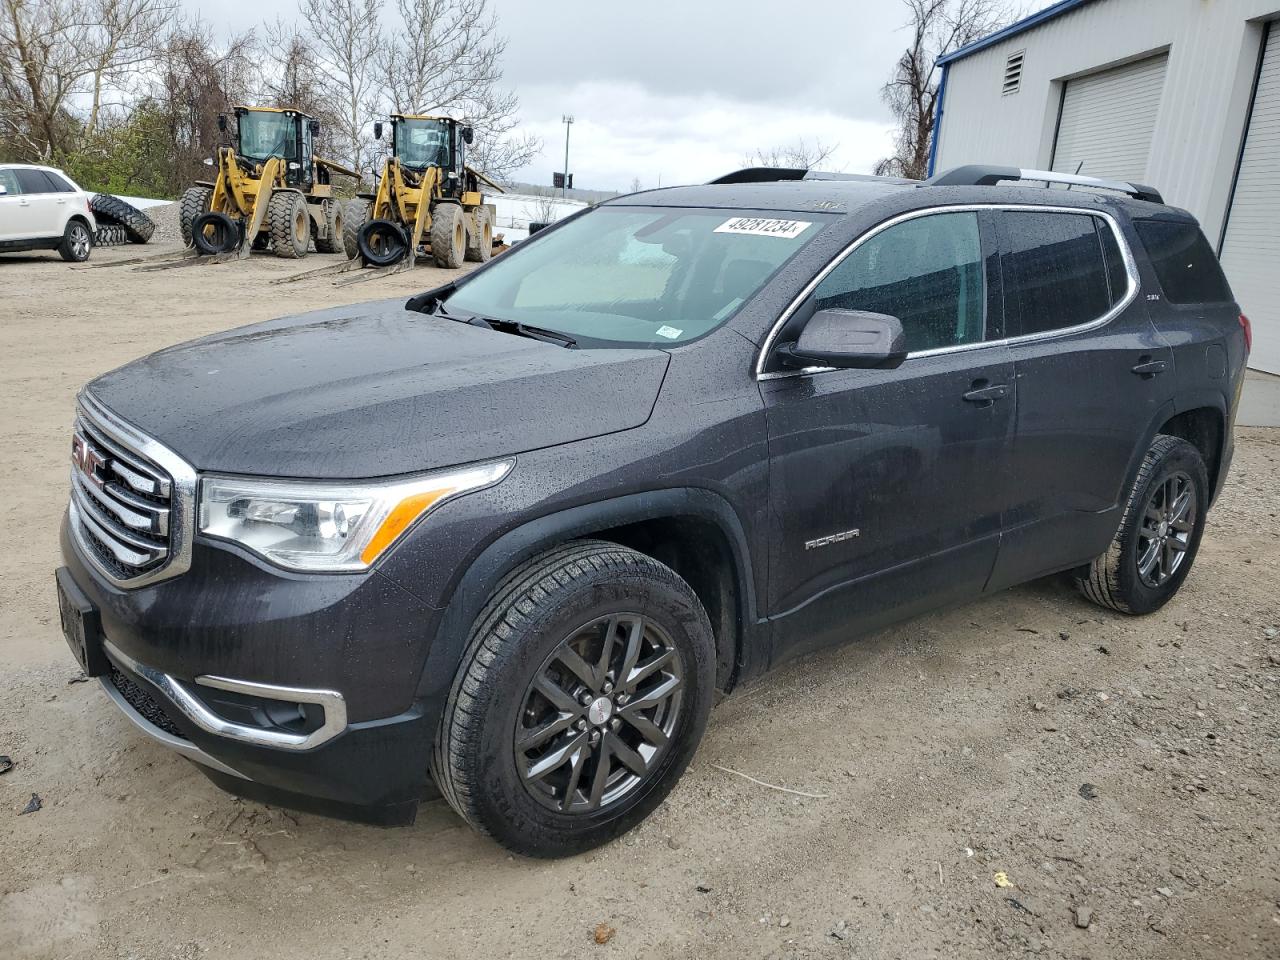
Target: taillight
column 1247, row 327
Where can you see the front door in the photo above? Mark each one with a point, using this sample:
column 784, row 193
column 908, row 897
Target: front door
column 887, row 487
column 1093, row 373
column 18, row 219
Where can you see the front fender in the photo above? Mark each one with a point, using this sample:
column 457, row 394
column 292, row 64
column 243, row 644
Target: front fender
column 512, row 548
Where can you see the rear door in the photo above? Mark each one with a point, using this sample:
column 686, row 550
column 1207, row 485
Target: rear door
column 15, row 222
column 887, row 487
column 1092, row 375
column 43, row 212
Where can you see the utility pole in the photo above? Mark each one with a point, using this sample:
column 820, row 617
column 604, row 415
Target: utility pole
column 567, row 120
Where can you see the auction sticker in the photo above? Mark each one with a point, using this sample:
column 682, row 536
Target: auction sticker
column 760, row 227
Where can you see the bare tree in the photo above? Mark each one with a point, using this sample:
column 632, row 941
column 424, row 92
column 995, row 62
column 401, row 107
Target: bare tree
column 937, row 27
column 635, row 185
column 800, row 154
column 445, row 58
column 55, row 51
column 347, row 44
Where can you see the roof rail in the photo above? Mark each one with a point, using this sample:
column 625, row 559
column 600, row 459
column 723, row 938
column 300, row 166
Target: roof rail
column 762, row 175
column 983, row 175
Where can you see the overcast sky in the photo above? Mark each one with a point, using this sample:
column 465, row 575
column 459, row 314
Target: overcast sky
column 679, row 92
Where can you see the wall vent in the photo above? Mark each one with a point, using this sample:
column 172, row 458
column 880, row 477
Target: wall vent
column 1013, row 72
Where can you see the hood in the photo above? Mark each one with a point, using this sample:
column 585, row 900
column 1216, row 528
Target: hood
column 373, row 390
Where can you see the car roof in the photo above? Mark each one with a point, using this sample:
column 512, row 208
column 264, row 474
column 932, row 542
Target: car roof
column 834, row 196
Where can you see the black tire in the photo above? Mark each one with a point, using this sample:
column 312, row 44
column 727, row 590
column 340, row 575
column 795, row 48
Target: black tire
column 289, row 224
column 195, row 201
column 110, row 235
column 333, row 223
column 1116, row 580
column 214, row 233
column 77, row 242
column 137, row 225
column 381, row 243
column 354, row 215
column 448, row 235
column 480, row 240
column 536, row 609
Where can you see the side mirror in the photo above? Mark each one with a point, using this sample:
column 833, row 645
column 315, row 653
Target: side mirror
column 3, row 189
column 222, row 122
column 314, row 126
column 377, row 130
column 847, row 338
column 468, row 136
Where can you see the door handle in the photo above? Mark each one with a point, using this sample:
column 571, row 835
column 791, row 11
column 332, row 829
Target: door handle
column 986, row 394
column 1148, row 368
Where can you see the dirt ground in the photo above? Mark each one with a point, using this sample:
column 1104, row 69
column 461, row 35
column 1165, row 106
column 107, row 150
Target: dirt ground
column 1123, row 775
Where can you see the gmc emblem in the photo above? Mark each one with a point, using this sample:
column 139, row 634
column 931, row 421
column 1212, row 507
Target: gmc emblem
column 86, row 458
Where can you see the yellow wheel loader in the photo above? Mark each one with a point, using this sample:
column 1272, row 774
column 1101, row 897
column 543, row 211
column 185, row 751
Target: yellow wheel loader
column 427, row 197
column 270, row 191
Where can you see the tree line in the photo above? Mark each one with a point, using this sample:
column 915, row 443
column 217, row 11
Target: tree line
column 125, row 94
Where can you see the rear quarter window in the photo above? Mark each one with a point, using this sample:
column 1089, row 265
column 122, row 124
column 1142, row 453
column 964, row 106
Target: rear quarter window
column 1184, row 262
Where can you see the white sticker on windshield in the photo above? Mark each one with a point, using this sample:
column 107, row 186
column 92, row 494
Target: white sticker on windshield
column 669, row 332
column 760, row 227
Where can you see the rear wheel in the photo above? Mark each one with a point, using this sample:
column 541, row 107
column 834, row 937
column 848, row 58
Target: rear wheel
column 290, row 224
column 76, row 242
column 195, row 201
column 448, row 235
column 354, row 215
column 583, row 692
column 1152, row 552
column 480, row 248
column 333, row 222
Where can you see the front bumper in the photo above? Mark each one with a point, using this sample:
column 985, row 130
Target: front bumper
column 300, row 690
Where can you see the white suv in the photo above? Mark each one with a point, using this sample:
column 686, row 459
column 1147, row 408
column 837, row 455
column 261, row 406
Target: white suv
column 42, row 209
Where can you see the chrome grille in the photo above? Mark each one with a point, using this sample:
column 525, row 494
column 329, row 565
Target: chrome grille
column 129, row 513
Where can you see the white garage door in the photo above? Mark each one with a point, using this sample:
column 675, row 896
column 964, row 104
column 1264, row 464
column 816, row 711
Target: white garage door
column 1107, row 120
column 1251, row 251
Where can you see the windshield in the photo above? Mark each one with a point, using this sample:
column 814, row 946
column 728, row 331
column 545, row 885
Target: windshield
column 422, row 143
column 264, row 135
column 637, row 276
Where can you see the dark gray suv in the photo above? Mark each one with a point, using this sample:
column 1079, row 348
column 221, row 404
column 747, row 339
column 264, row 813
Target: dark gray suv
column 509, row 537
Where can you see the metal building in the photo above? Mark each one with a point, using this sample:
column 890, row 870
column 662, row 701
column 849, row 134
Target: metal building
column 1181, row 94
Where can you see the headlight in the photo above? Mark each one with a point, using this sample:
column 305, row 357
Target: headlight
column 323, row 526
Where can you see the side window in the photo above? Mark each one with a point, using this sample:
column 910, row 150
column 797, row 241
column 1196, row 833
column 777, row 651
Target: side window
column 1184, row 262
column 926, row 271
column 9, row 182
column 34, row 181
column 60, row 184
column 1055, row 275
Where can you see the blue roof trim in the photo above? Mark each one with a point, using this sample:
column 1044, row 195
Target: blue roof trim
column 1048, row 13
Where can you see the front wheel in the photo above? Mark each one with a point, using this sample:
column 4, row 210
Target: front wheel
column 1152, row 552
column 583, row 692
column 76, row 242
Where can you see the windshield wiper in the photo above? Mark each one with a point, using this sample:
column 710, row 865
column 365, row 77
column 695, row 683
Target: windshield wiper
column 528, row 330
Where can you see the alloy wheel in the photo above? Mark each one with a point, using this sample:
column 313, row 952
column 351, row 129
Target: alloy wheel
column 1168, row 521
column 599, row 714
column 79, row 242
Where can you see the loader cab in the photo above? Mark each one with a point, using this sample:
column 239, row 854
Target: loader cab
column 265, row 132
column 420, row 143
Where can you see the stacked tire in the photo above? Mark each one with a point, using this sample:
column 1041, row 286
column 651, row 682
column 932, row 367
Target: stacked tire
column 110, row 235
column 115, row 217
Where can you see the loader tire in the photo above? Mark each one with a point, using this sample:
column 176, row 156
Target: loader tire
column 214, row 233
column 382, row 243
column 448, row 235
column 290, row 224
column 480, row 241
column 334, row 222
column 195, row 201
column 354, row 215
column 108, row 209
column 110, row 235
